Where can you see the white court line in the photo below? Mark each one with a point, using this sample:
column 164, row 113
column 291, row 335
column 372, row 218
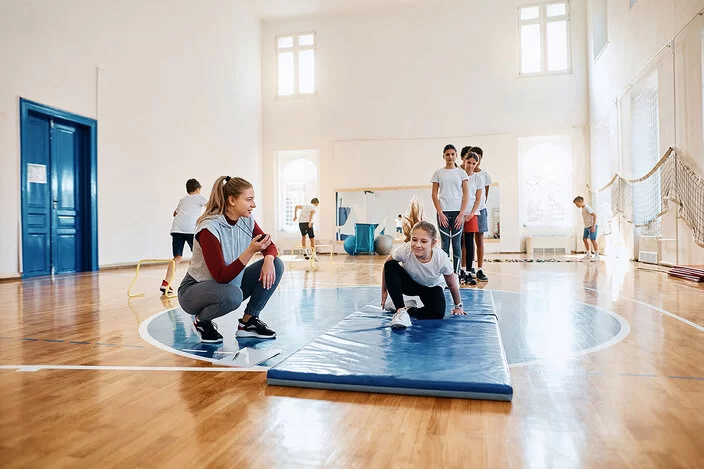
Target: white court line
column 143, row 331
column 32, row 368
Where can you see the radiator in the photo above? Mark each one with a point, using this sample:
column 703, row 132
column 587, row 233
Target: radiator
column 555, row 244
column 648, row 249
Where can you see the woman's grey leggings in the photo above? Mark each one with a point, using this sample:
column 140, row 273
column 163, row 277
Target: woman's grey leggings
column 209, row 299
column 452, row 235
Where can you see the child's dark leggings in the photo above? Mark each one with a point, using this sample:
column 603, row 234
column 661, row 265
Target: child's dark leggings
column 399, row 283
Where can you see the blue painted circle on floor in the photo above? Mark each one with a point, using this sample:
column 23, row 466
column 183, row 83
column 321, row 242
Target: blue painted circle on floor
column 533, row 327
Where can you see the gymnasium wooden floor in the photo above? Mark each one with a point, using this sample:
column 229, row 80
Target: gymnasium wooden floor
column 638, row 403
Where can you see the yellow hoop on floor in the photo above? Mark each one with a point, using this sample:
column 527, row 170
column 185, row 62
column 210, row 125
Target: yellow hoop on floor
column 153, row 261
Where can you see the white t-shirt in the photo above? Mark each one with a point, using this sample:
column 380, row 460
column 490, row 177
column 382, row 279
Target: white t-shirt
column 450, row 187
column 483, row 180
column 587, row 216
column 304, row 216
column 429, row 274
column 399, row 223
column 474, row 184
column 187, row 212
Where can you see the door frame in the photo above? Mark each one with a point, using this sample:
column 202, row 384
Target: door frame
column 89, row 178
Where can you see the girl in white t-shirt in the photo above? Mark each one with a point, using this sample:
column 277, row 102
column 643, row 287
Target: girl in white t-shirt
column 450, row 197
column 419, row 268
column 471, row 225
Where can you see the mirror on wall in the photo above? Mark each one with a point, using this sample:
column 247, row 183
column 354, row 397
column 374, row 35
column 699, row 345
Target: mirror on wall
column 382, row 206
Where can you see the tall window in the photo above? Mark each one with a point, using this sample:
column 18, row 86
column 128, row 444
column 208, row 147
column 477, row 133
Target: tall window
column 296, row 64
column 297, row 184
column 544, row 31
column 600, row 27
column 546, row 182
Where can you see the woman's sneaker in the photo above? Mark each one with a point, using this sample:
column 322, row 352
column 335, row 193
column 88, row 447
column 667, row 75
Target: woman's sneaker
column 166, row 287
column 401, row 320
column 481, row 277
column 207, row 331
column 254, row 327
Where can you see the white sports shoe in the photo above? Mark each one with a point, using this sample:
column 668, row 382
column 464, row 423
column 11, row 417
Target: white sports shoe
column 401, row 320
column 411, row 303
column 587, row 257
column 596, row 258
column 389, row 307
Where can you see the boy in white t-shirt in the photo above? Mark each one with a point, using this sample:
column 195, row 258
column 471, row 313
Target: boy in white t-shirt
column 590, row 229
column 184, row 225
column 305, row 224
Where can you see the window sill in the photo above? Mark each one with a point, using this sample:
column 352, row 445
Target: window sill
column 296, row 96
column 545, row 74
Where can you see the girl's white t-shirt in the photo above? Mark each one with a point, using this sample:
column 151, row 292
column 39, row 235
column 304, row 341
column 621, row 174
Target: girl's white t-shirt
column 475, row 183
column 429, row 274
column 450, row 187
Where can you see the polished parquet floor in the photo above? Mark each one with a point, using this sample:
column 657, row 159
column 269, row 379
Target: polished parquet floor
column 79, row 387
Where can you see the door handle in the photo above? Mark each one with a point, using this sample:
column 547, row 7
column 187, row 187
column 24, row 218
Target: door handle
column 54, row 203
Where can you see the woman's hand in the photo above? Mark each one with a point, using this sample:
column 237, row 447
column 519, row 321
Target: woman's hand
column 459, row 222
column 384, row 294
column 458, row 312
column 268, row 274
column 260, row 243
column 442, row 218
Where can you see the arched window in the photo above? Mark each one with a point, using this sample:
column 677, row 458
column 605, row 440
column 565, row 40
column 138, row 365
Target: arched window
column 298, row 184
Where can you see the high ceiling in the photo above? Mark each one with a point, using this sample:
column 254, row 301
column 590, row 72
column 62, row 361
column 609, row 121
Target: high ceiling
column 277, row 9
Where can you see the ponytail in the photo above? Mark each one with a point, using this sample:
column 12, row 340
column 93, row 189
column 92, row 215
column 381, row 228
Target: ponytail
column 414, row 221
column 224, row 188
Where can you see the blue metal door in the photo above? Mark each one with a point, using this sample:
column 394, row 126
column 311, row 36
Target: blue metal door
column 36, row 196
column 51, row 215
column 65, row 187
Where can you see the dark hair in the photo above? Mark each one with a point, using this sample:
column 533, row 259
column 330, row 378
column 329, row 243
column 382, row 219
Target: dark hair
column 579, row 198
column 470, row 154
column 314, row 200
column 449, row 146
column 192, row 185
column 224, row 188
column 478, row 151
column 464, row 151
column 399, row 215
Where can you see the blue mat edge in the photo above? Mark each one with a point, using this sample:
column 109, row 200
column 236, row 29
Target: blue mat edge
column 501, row 392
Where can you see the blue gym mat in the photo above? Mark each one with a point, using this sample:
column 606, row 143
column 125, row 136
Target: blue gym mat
column 459, row 356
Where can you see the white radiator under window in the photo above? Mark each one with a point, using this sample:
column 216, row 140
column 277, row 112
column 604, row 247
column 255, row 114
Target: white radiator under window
column 648, row 249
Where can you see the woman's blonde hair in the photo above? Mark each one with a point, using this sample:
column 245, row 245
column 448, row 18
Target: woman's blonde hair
column 414, row 221
column 224, row 188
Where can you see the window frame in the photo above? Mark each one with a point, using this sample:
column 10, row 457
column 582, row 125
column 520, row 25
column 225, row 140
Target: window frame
column 283, row 158
column 543, row 20
column 296, row 49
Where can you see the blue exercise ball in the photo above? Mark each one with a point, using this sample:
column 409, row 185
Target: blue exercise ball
column 349, row 245
column 383, row 244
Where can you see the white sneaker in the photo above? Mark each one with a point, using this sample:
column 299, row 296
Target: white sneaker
column 596, row 258
column 389, row 307
column 411, row 303
column 587, row 257
column 401, row 320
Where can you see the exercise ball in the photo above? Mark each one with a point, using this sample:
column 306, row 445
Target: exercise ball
column 349, row 245
column 383, row 244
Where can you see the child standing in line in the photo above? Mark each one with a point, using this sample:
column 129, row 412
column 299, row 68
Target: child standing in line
column 471, row 224
column 482, row 215
column 591, row 229
column 419, row 268
column 305, row 224
column 450, row 197
column 187, row 212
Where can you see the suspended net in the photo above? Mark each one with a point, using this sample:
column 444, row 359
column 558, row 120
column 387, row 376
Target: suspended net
column 644, row 200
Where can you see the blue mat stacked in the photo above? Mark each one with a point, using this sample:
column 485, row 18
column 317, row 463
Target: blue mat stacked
column 458, row 356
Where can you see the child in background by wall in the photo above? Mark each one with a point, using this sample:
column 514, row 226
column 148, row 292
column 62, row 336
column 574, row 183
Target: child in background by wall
column 305, row 224
column 187, row 212
column 399, row 226
column 590, row 229
column 450, row 197
column 482, row 215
